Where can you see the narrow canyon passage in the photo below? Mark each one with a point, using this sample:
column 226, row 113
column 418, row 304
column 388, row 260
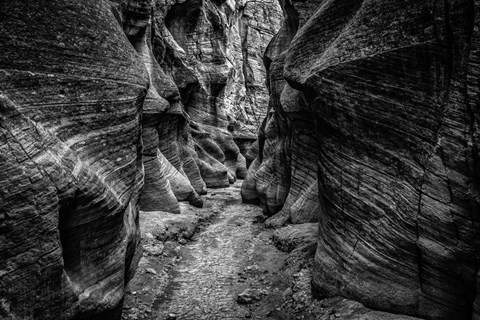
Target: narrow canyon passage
column 221, row 262
column 202, row 279
column 211, row 272
column 356, row 124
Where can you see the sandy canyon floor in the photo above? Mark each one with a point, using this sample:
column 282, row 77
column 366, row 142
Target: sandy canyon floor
column 220, row 262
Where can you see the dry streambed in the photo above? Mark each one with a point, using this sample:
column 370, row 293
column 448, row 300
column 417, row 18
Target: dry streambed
column 220, row 262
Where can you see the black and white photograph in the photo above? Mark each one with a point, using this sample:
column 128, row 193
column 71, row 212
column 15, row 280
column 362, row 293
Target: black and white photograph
column 239, row 159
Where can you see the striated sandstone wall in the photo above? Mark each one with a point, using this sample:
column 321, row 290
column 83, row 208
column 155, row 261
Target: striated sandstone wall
column 213, row 52
column 71, row 88
column 283, row 177
column 108, row 108
column 385, row 94
column 206, row 92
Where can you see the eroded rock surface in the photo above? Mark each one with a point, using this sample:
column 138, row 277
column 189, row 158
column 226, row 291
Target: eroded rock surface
column 97, row 100
column 206, row 94
column 374, row 103
column 283, row 177
column 71, row 88
column 231, row 268
column 213, row 52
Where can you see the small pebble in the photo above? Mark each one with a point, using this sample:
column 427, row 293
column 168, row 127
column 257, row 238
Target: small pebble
column 151, row 271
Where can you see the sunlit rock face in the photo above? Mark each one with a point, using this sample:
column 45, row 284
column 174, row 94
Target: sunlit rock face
column 166, row 181
column 206, row 94
column 389, row 92
column 108, row 107
column 71, row 92
column 213, row 51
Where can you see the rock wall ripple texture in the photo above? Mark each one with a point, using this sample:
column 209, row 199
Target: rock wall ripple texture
column 206, row 91
column 71, row 92
column 213, row 52
column 389, row 91
column 97, row 99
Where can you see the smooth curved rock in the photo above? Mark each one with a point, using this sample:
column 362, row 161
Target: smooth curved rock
column 212, row 53
column 92, row 93
column 389, row 92
column 249, row 190
column 72, row 88
column 197, row 60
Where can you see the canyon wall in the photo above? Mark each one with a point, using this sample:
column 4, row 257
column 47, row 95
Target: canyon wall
column 212, row 50
column 71, row 92
column 107, row 109
column 207, row 95
column 373, row 130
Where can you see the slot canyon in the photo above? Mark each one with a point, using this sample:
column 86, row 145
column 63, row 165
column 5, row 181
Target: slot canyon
column 239, row 159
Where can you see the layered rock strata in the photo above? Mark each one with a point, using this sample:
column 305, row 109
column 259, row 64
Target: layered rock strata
column 283, row 176
column 213, row 51
column 97, row 99
column 388, row 91
column 166, row 182
column 71, row 91
column 206, row 91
